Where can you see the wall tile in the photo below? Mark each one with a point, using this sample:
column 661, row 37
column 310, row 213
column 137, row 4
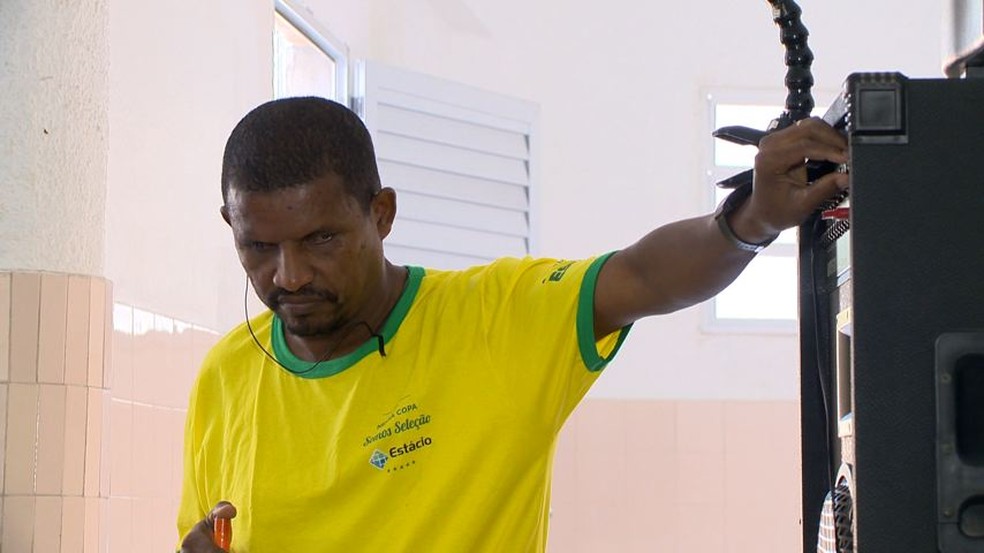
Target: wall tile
column 161, row 526
column 161, row 372
column 77, row 331
column 47, row 524
column 762, row 473
column 750, row 426
column 122, row 318
column 650, row 502
column 121, row 448
column 203, row 340
column 652, row 425
column 700, row 426
column 95, row 513
column 73, row 524
column 700, row 528
column 563, row 536
column 788, row 456
column 107, row 333
column 602, row 446
column 106, row 442
column 145, row 359
column 173, row 452
column 93, row 442
column 122, row 352
column 747, row 504
column 25, row 315
column 76, row 412
column 170, row 519
column 700, row 478
column 4, row 327
column 18, row 523
column 51, row 333
column 183, row 368
column 51, row 440
column 3, row 436
column 146, row 465
column 119, row 526
column 143, row 523
column 22, row 436
column 97, row 331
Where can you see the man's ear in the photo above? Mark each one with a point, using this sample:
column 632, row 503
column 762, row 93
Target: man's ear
column 383, row 211
column 224, row 211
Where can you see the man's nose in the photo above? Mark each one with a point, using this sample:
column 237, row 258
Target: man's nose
column 293, row 270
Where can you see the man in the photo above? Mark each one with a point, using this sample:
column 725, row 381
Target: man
column 379, row 407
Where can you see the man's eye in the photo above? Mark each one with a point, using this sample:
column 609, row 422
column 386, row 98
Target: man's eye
column 322, row 238
column 260, row 246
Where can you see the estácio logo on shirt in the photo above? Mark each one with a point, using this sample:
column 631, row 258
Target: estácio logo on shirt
column 379, row 459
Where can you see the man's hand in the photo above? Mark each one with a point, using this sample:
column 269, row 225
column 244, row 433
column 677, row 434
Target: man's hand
column 199, row 539
column 781, row 196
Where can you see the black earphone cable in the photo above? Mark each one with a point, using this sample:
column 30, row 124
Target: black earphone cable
column 327, row 355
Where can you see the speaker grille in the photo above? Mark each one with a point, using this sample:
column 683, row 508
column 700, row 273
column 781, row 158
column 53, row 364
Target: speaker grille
column 836, row 521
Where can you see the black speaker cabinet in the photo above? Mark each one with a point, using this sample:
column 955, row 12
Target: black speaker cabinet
column 892, row 325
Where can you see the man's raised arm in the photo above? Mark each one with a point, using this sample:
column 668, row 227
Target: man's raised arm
column 686, row 262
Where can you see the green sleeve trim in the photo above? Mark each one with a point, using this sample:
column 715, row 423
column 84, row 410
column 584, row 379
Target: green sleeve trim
column 330, row 367
column 585, row 320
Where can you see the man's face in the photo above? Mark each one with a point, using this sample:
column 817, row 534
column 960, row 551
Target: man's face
column 313, row 254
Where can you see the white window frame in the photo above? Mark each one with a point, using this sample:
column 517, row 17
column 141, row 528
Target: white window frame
column 328, row 43
column 710, row 322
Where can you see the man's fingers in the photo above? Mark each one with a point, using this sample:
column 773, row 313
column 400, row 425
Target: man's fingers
column 825, row 188
column 222, row 509
column 779, row 157
column 199, row 540
column 810, row 138
column 820, row 131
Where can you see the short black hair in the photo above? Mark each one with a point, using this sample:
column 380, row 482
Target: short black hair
column 292, row 141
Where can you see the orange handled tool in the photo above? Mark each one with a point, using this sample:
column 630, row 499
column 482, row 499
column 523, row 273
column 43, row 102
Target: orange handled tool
column 222, row 533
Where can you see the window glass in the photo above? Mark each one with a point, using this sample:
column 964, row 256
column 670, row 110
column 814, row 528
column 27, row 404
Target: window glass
column 304, row 64
column 765, row 290
column 300, row 67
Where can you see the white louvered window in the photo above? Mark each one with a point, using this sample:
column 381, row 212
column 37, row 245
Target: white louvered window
column 459, row 159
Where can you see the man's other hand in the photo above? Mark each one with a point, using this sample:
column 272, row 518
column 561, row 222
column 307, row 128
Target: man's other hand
column 199, row 539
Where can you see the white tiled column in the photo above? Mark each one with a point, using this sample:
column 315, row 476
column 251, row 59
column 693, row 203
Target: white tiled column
column 53, row 409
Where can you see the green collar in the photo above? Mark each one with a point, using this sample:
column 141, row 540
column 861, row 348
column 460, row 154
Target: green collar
column 334, row 366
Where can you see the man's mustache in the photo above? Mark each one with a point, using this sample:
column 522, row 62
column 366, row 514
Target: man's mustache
column 307, row 293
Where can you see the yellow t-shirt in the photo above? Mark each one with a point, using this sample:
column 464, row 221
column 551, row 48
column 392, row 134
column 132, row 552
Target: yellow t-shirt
column 443, row 445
